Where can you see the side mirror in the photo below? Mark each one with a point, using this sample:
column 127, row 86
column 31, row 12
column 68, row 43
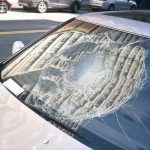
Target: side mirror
column 18, row 45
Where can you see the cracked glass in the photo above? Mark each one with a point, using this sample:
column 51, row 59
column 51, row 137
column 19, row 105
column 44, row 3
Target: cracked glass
column 80, row 73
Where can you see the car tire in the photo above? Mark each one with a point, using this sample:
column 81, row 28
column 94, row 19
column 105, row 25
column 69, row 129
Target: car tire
column 74, row 7
column 3, row 7
column 133, row 7
column 42, row 7
column 111, row 7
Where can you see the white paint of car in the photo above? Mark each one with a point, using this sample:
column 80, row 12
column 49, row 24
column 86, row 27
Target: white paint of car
column 103, row 4
column 118, row 23
column 118, row 4
column 21, row 128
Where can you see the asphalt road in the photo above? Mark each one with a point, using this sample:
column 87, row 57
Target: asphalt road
column 21, row 30
column 18, row 24
column 14, row 26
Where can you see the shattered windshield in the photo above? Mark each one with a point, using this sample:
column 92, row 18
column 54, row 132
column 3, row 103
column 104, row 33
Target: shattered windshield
column 80, row 72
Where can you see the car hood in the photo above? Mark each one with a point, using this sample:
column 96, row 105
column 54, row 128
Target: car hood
column 21, row 128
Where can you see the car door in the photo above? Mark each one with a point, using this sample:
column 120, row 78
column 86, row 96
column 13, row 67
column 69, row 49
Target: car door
column 53, row 3
column 121, row 4
column 64, row 3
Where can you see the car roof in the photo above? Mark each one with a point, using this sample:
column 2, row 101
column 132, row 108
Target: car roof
column 134, row 22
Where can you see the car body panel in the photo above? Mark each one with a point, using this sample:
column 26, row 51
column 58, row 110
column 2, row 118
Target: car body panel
column 21, row 127
column 50, row 3
column 119, row 4
column 118, row 23
column 64, row 3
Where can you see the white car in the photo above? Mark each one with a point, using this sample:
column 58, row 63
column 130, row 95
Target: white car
column 83, row 85
column 112, row 5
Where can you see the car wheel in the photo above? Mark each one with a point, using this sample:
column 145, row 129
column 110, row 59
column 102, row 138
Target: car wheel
column 111, row 7
column 133, row 7
column 74, row 7
column 42, row 7
column 3, row 7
